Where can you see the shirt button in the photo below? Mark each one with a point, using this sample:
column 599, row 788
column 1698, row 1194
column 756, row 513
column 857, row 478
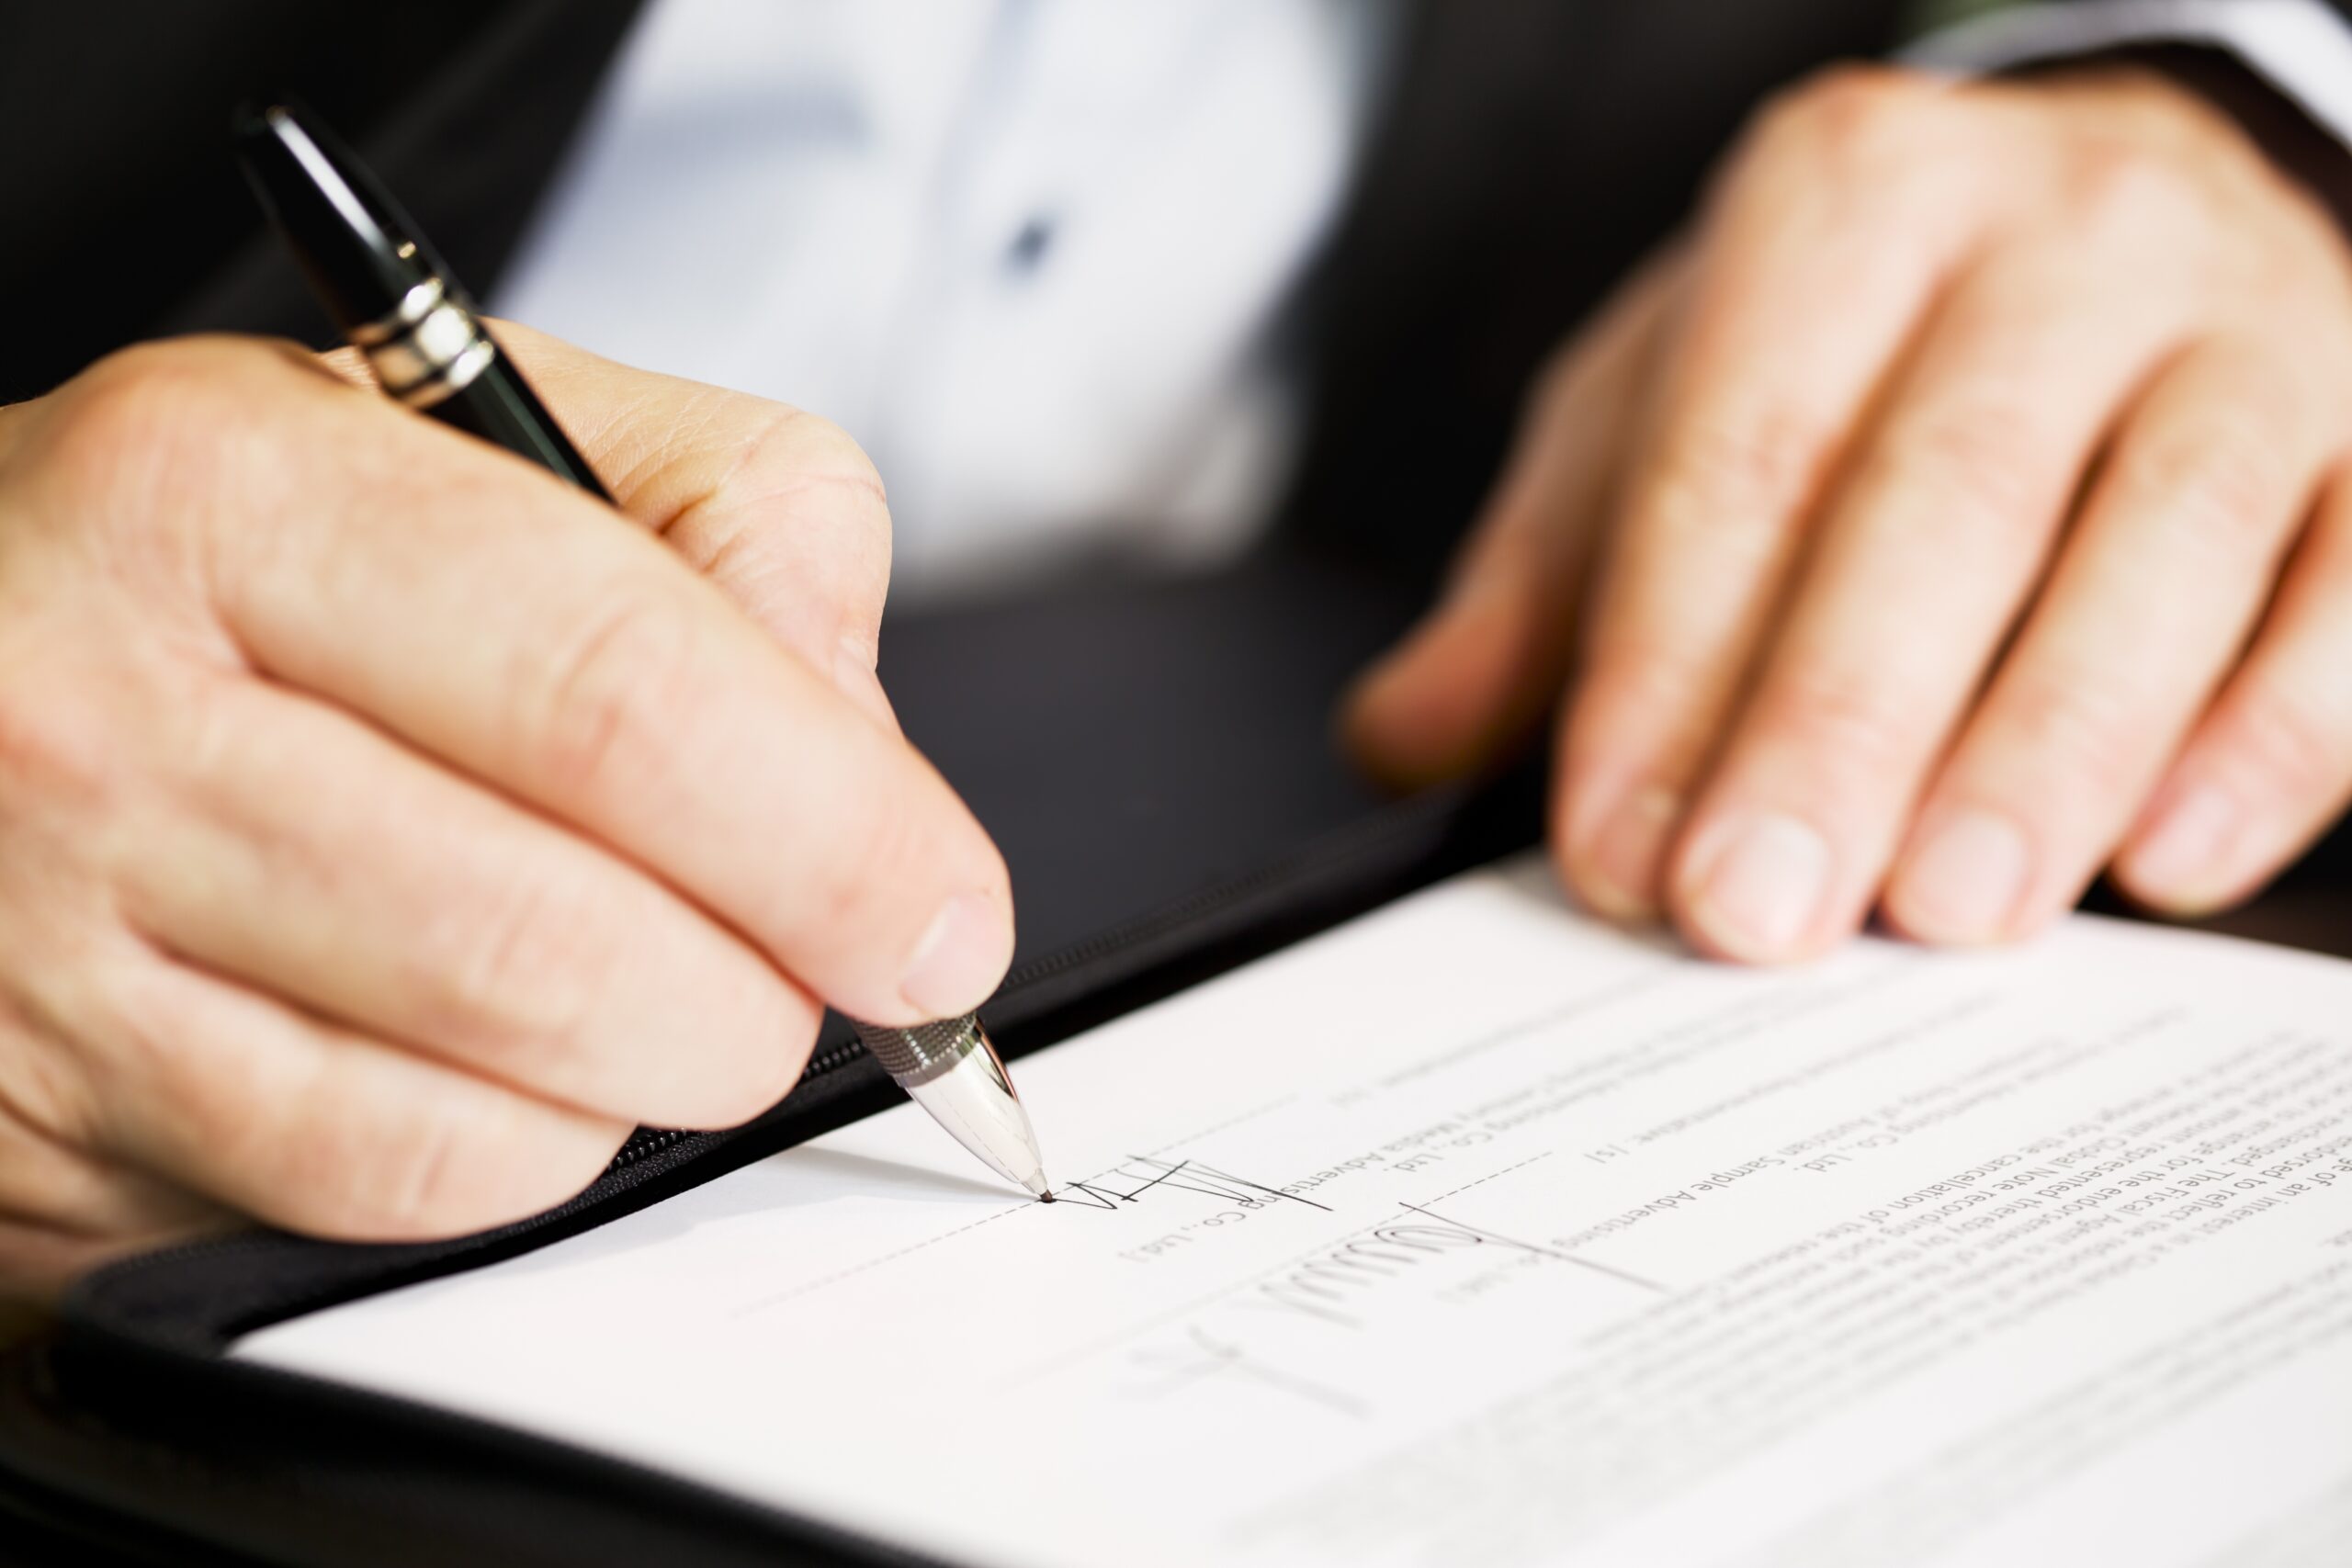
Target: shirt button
column 1027, row 252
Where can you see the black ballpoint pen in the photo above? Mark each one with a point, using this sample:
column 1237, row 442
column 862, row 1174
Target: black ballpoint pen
column 396, row 301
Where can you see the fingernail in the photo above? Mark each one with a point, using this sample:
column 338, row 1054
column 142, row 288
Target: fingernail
column 959, row 961
column 1622, row 861
column 1410, row 650
column 1964, row 884
column 1760, row 892
column 2186, row 844
column 1370, row 684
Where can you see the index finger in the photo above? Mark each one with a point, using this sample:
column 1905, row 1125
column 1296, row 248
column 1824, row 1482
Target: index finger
column 1807, row 286
column 497, row 618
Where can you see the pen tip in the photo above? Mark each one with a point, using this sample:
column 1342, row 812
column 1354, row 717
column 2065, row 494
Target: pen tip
column 1043, row 1188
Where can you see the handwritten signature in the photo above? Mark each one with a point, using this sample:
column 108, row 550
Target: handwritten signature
column 1127, row 1181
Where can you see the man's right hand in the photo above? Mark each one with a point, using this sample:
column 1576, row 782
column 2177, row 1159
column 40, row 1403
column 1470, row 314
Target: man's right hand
column 387, row 828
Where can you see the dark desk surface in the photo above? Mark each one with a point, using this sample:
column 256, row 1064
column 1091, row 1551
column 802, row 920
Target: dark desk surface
column 2316, row 917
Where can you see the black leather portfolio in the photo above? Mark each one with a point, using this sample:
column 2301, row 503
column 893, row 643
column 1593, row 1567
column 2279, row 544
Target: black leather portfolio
column 1155, row 759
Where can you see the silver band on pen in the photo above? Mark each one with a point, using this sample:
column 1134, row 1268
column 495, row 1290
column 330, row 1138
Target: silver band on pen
column 427, row 347
column 952, row 1070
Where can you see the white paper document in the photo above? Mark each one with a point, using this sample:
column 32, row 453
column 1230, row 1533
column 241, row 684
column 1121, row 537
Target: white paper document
column 1475, row 1233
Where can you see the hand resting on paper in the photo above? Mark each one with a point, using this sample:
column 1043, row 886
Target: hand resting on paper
column 385, row 827
column 1961, row 509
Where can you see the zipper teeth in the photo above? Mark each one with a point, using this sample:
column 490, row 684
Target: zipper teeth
column 647, row 1142
column 644, row 1141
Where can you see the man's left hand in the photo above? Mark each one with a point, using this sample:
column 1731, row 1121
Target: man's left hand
column 1961, row 509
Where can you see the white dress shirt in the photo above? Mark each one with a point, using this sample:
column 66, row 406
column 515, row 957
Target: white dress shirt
column 1033, row 255
column 2301, row 46
column 1028, row 253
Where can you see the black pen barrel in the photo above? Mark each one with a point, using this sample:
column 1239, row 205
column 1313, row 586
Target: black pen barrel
column 499, row 406
column 391, row 294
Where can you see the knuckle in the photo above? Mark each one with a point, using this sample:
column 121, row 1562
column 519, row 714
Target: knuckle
column 2125, row 189
column 1739, row 471
column 616, row 684
column 1636, row 674
column 1982, row 458
column 1849, row 725
column 450, row 1164
column 1647, row 689
column 316, row 1149
column 830, row 451
column 354, row 1171
column 474, row 1163
column 2296, row 743
column 2220, row 482
column 796, row 449
column 426, row 1177
column 159, row 457
column 42, row 1088
column 822, row 455
column 54, row 743
column 519, row 976
column 206, row 730
column 2312, row 240
column 2074, row 726
column 153, row 1085
column 185, row 400
column 352, row 1166
column 1851, row 109
column 139, row 390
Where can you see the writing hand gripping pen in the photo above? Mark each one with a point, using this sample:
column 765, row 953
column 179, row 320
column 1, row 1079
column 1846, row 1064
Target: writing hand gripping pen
column 395, row 300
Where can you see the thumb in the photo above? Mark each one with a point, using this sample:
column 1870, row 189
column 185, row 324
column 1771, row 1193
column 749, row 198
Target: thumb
column 1468, row 683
